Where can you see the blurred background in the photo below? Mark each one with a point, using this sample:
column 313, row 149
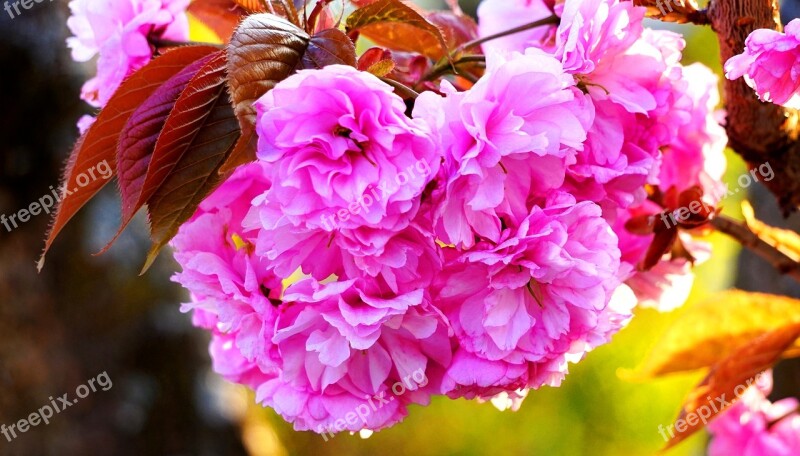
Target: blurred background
column 86, row 315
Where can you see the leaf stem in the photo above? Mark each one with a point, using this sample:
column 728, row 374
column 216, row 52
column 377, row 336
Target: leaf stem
column 169, row 43
column 403, row 90
column 478, row 41
column 311, row 21
column 453, row 59
column 291, row 12
column 739, row 231
column 443, row 68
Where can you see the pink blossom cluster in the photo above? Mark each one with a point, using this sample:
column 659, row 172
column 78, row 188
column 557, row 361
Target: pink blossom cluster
column 770, row 64
column 120, row 33
column 477, row 240
column 754, row 426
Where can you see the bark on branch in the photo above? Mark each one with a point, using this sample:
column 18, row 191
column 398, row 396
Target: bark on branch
column 739, row 231
column 759, row 132
column 678, row 11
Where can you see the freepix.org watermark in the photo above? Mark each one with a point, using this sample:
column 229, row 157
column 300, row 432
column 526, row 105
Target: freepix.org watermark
column 682, row 214
column 661, row 4
column 11, row 222
column 55, row 406
column 418, row 171
column 26, row 4
column 372, row 404
column 704, row 412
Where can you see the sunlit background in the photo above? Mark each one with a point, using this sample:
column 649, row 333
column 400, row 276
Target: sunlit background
column 85, row 315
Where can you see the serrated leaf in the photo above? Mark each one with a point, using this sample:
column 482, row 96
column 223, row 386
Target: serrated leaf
column 267, row 49
column 264, row 50
column 199, row 135
column 138, row 140
column 328, row 47
column 729, row 378
column 99, row 143
column 457, row 29
column 244, row 152
column 710, row 330
column 395, row 25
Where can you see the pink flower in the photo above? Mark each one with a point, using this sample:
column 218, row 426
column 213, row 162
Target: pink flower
column 770, row 64
column 343, row 154
column 592, row 31
column 495, row 16
column 121, row 31
column 320, row 355
column 85, row 122
column 696, row 157
column 352, row 361
column 667, row 285
column 754, row 426
column 637, row 114
column 402, row 261
column 526, row 305
column 500, row 147
column 227, row 280
column 614, row 165
column 228, row 361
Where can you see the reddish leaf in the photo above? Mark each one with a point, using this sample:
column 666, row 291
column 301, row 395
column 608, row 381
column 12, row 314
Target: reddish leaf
column 362, row 3
column 395, row 25
column 99, row 143
column 221, row 16
column 410, row 68
column 729, row 378
column 244, row 152
column 138, row 140
column 662, row 243
column 251, row 6
column 265, row 50
column 198, row 137
column 372, row 56
column 457, row 29
column 377, row 61
column 328, row 47
column 642, row 224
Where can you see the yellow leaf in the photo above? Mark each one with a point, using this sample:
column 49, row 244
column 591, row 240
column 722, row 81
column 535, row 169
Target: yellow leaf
column 710, row 330
column 787, row 241
column 201, row 33
column 729, row 379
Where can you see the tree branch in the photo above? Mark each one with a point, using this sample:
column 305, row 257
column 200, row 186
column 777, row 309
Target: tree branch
column 759, row 132
column 678, row 11
column 739, row 231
